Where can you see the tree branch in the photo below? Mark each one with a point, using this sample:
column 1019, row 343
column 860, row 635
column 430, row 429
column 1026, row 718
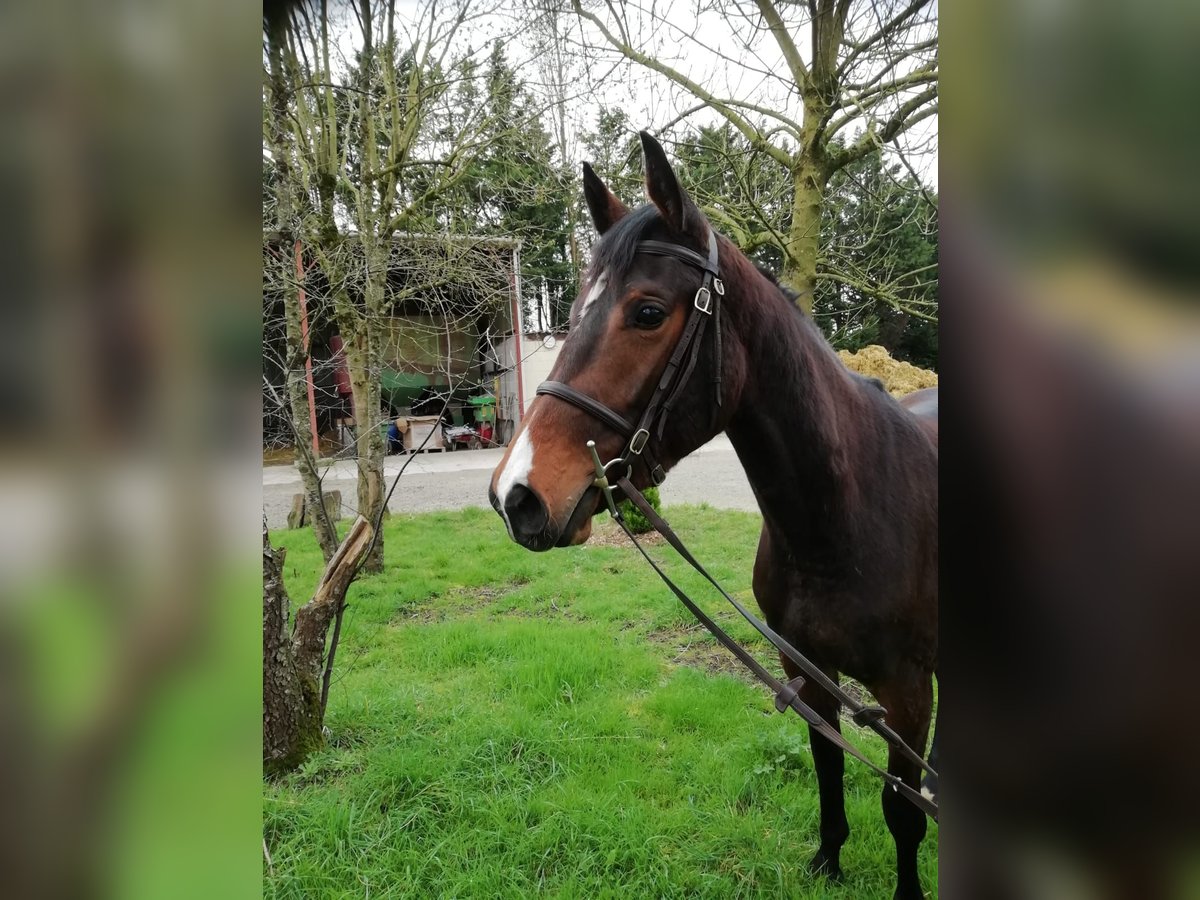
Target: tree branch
column 869, row 99
column 904, row 118
column 786, row 45
column 875, row 291
column 750, row 132
column 857, row 48
column 312, row 619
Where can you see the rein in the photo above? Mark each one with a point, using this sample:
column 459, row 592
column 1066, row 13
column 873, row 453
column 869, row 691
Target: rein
column 707, row 305
column 786, row 694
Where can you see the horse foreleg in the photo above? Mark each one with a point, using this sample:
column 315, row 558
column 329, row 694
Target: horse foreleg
column 830, row 764
column 909, row 705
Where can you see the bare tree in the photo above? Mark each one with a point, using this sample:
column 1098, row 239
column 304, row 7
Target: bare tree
column 369, row 166
column 455, row 295
column 811, row 86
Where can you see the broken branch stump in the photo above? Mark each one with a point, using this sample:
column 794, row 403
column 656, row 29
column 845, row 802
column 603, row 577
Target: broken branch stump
column 298, row 517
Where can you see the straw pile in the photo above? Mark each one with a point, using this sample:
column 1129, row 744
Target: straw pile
column 898, row 377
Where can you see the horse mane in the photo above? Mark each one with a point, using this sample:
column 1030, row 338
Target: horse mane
column 791, row 296
column 788, row 294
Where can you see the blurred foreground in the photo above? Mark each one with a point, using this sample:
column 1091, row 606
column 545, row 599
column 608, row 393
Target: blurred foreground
column 1070, row 276
column 129, row 693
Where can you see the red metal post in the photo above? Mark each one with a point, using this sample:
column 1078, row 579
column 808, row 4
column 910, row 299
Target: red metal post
column 308, row 372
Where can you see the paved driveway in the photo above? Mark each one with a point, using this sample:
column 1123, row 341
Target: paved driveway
column 455, row 480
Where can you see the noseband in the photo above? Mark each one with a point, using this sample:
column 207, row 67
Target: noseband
column 706, row 305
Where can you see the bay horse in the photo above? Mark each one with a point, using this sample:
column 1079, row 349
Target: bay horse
column 846, row 477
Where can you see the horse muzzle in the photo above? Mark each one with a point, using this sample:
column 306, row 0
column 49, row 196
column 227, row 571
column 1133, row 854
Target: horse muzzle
column 531, row 525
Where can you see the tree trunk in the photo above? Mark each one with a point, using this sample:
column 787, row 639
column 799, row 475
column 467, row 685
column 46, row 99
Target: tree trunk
column 809, row 178
column 292, row 666
column 310, row 478
column 804, row 236
column 291, row 708
column 362, row 362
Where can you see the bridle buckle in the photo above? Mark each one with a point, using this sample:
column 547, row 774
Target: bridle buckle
column 638, row 442
column 704, row 300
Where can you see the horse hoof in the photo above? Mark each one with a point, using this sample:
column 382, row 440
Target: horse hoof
column 821, row 865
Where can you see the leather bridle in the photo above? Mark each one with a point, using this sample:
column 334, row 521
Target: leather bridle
column 675, row 376
column 706, row 305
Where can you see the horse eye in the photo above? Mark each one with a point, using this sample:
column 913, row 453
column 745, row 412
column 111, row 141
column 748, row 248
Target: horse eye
column 649, row 316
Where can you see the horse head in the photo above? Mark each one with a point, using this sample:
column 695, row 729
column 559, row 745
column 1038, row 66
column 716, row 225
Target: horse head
column 650, row 370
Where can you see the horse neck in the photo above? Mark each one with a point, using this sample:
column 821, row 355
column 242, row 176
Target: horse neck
column 798, row 430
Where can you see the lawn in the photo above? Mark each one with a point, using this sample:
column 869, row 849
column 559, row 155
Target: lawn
column 509, row 724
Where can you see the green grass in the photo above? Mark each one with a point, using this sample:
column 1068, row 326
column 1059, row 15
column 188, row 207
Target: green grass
column 509, row 724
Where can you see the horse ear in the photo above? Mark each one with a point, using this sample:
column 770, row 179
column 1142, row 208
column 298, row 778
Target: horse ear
column 602, row 203
column 663, row 190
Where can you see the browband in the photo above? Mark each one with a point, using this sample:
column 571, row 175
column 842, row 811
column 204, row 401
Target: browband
column 662, row 248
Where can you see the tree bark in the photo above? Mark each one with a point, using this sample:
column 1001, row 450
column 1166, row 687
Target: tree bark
column 804, row 236
column 810, row 175
column 297, row 379
column 312, row 619
column 310, row 478
column 292, row 665
column 291, row 714
column 362, row 358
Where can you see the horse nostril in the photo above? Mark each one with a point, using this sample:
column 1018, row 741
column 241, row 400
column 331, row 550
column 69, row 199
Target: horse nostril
column 526, row 513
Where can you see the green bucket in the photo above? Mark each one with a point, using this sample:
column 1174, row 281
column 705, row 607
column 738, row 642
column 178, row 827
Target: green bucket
column 485, row 408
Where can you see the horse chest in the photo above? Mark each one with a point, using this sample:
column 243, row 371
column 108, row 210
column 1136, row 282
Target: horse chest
column 839, row 622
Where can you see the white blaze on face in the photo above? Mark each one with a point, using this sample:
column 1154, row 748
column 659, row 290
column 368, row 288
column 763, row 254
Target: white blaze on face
column 516, row 471
column 596, row 291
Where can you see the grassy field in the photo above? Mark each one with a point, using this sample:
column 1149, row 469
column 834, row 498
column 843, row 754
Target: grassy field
column 510, row 724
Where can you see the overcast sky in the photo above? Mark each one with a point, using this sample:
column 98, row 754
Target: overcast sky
column 728, row 55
